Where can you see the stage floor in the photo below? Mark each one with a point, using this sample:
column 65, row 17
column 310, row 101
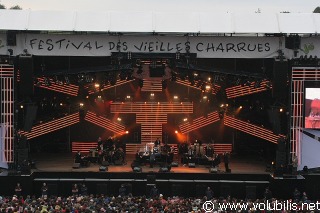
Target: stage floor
column 62, row 162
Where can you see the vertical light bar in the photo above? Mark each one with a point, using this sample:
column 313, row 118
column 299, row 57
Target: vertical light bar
column 6, row 116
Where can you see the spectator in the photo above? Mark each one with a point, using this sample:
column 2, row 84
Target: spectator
column 296, row 195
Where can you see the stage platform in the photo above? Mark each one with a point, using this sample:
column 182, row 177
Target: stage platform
column 63, row 162
column 247, row 176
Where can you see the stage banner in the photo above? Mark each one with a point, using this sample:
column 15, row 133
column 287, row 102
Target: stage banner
column 3, row 161
column 104, row 45
column 310, row 46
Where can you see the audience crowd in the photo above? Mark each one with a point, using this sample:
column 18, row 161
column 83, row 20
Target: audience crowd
column 125, row 202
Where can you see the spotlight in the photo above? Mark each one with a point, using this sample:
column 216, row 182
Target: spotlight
column 175, row 97
column 96, row 85
column 176, row 131
column 61, row 104
column 280, row 110
column 81, row 104
column 99, row 96
column 222, row 105
column 127, row 132
column 21, row 106
column 128, row 97
column 205, row 97
column 119, row 119
column 152, row 94
column 209, row 79
column 240, row 107
column 208, row 87
column 185, row 119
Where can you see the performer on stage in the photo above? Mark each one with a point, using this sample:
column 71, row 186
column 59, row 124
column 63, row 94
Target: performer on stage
column 81, row 159
column 157, row 142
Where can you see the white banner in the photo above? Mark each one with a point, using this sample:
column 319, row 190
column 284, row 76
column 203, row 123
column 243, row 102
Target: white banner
column 3, row 161
column 203, row 46
column 103, row 45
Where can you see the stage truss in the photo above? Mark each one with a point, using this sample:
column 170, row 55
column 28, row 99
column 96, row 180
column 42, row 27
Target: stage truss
column 298, row 78
column 7, row 112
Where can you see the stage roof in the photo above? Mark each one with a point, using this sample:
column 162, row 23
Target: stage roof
column 160, row 22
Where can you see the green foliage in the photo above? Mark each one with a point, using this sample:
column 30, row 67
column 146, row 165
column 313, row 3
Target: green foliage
column 2, row 6
column 16, row 7
column 317, row 10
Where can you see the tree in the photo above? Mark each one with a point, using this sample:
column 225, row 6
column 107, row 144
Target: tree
column 317, row 10
column 2, row 6
column 16, row 7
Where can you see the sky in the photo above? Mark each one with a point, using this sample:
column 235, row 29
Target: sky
column 232, row 6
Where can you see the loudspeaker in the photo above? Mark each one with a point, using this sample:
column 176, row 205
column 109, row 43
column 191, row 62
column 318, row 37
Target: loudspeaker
column 26, row 76
column 30, row 116
column 163, row 169
column 11, row 38
column 213, row 170
column 192, row 165
column 251, row 192
column 105, row 163
column 76, row 165
column 151, row 179
column 293, row 42
column 174, row 164
column 280, row 159
column 102, row 189
column 280, row 78
column 137, row 169
column 23, row 155
column 103, row 168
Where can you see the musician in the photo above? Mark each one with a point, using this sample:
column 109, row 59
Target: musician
column 80, row 159
column 84, row 190
column 157, row 142
column 109, row 143
column 99, row 141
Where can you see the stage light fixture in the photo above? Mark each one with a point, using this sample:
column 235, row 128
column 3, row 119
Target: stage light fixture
column 209, row 79
column 281, row 110
column 152, row 94
column 21, row 106
column 127, row 132
column 222, row 105
column 96, row 85
column 176, row 131
column 128, row 97
column 240, row 107
column 175, row 97
column 119, row 119
column 208, row 87
column 99, row 96
column 81, row 104
column 185, row 119
column 61, row 104
column 205, row 97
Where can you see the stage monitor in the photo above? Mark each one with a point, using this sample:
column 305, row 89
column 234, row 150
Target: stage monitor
column 312, row 108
